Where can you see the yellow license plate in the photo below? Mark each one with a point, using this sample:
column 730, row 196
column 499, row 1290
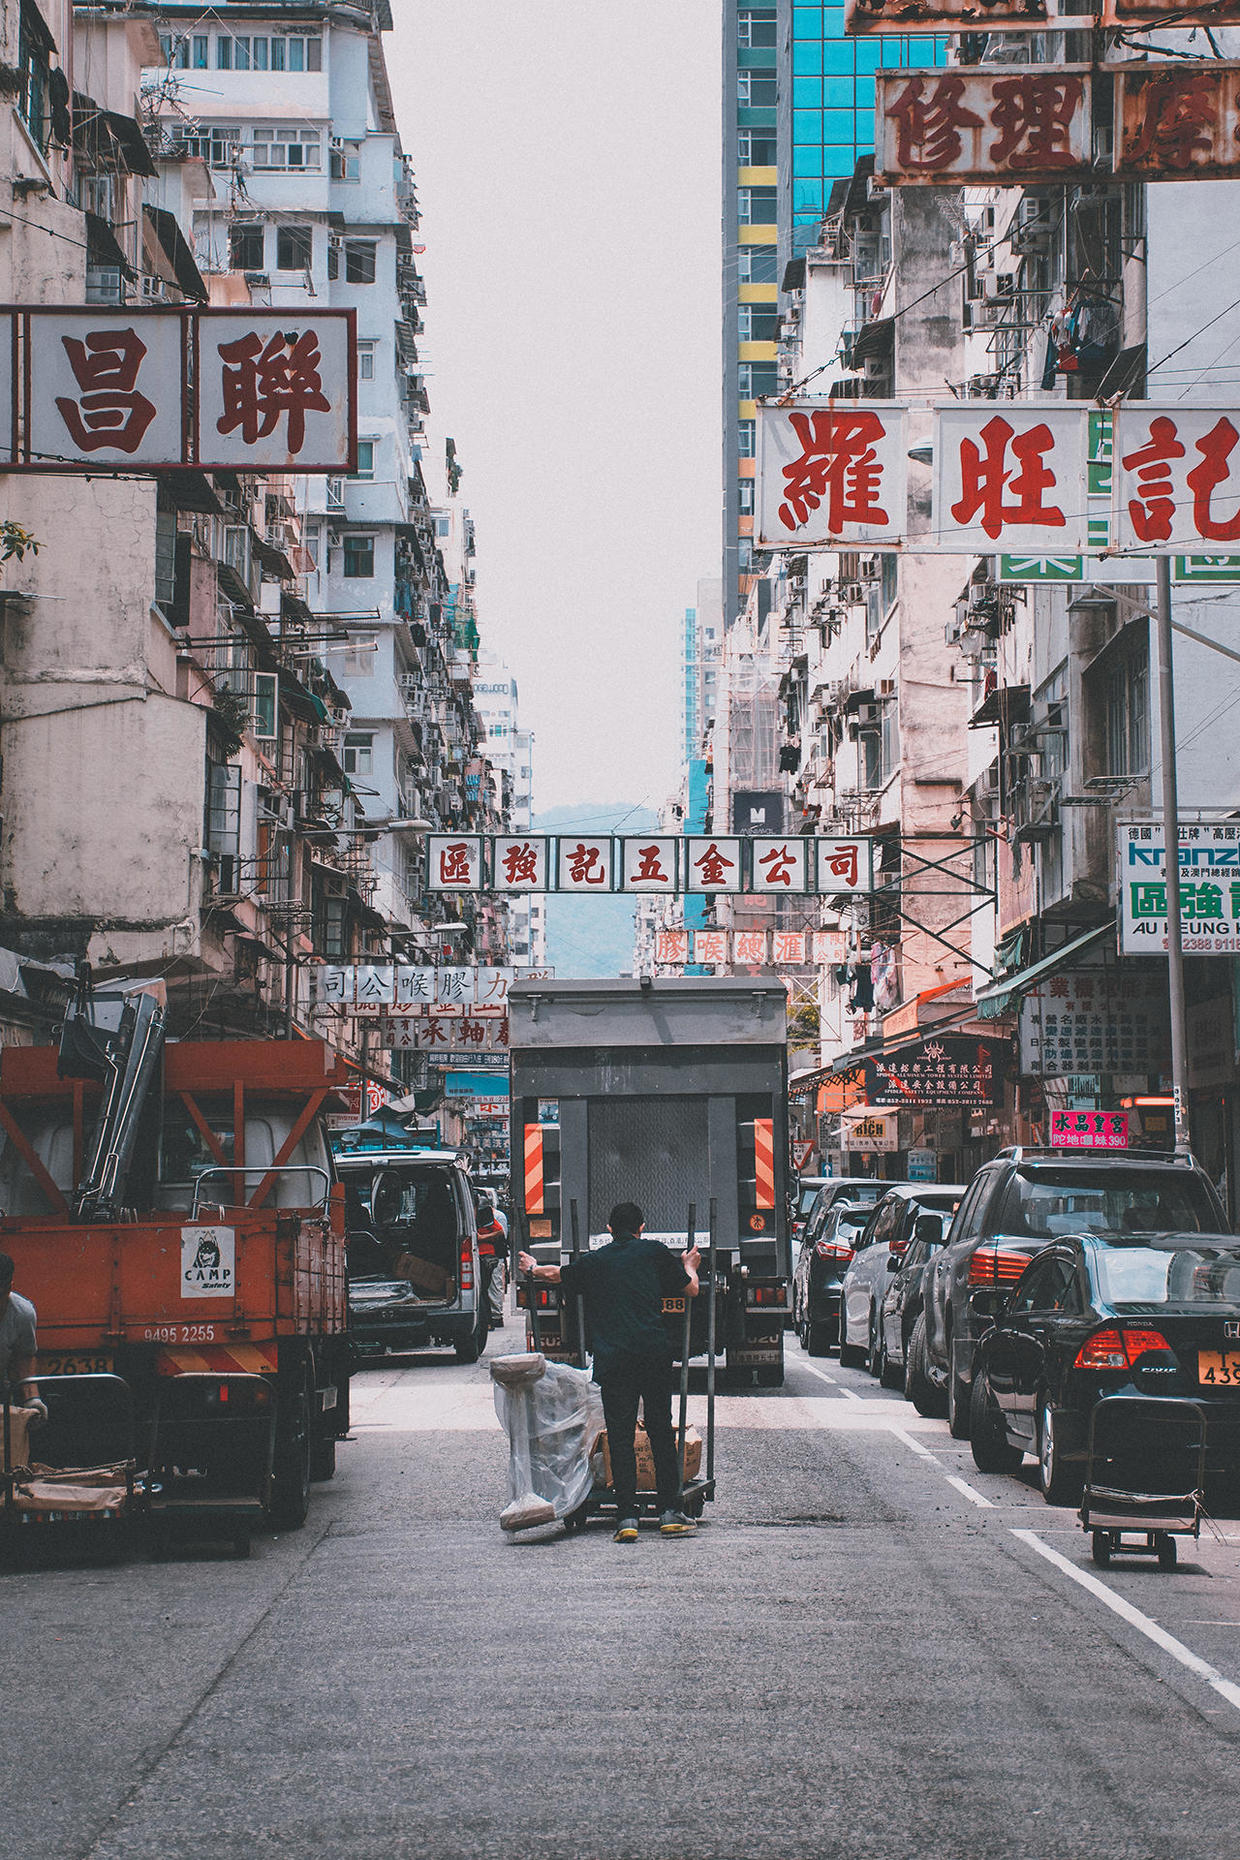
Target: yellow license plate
column 673, row 1304
column 1219, row 1369
column 75, row 1363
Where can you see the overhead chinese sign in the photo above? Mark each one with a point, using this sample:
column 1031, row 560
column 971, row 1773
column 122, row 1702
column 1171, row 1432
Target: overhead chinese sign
column 1177, row 472
column 831, row 473
column 982, row 125
column 675, row 947
column 950, row 1071
column 920, row 16
column 154, row 390
column 1010, row 475
column 1089, row 1130
column 445, row 1033
column 1093, row 1020
column 773, row 865
column 1209, row 888
column 385, row 988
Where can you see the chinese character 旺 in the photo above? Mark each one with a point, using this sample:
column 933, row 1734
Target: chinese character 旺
column 1203, row 480
column 985, row 479
column 714, row 866
column 779, row 863
column 263, row 384
column 110, row 412
column 1201, row 900
column 650, row 865
column 838, row 462
column 1149, row 900
column 454, row 864
column 520, row 865
column 1177, row 114
column 1034, row 118
column 582, row 860
column 928, row 128
column 1153, row 507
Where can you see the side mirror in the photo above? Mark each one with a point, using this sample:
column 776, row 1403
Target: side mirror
column 928, row 1229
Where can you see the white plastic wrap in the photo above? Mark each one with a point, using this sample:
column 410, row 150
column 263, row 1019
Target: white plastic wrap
column 552, row 1415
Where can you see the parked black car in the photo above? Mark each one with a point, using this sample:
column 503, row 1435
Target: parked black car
column 880, row 1252
column 826, row 1250
column 902, row 1301
column 1014, row 1206
column 1129, row 1314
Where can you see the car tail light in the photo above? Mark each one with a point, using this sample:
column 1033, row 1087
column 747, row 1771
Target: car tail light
column 467, row 1266
column 833, row 1249
column 996, row 1265
column 1114, row 1348
column 897, row 1248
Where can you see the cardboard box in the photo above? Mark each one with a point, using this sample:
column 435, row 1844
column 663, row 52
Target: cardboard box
column 424, row 1277
column 645, row 1458
column 19, row 1439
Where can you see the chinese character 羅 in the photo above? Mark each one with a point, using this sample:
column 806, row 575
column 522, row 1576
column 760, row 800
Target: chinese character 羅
column 928, row 128
column 262, row 384
column 110, row 411
column 837, row 461
column 985, row 479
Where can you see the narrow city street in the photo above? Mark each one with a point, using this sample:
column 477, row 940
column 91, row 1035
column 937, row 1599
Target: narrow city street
column 869, row 1648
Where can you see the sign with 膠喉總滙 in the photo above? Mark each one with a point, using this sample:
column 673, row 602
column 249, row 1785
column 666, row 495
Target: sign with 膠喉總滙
column 1209, row 866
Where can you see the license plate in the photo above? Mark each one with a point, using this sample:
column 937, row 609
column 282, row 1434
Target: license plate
column 673, row 1304
column 84, row 1363
column 1219, row 1369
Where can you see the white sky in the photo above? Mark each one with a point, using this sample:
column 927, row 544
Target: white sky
column 567, row 155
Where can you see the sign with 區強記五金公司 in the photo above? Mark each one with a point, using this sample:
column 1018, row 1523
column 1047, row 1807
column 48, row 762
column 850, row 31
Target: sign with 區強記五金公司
column 1209, row 867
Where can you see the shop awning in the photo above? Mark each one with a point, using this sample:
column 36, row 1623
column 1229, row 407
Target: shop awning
column 996, row 999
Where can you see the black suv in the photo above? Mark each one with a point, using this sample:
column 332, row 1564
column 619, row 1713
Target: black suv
column 1016, row 1204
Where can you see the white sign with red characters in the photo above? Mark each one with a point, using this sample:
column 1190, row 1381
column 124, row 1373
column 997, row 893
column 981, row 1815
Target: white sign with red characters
column 519, row 864
column 1010, row 475
column 832, row 473
column 105, row 388
column 844, row 865
column 648, row 865
column 779, row 865
column 1089, row 1130
column 713, row 865
column 1177, row 478
column 584, row 865
column 275, row 391
column 455, row 862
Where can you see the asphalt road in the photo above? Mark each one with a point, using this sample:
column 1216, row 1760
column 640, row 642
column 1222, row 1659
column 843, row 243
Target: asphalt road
column 869, row 1649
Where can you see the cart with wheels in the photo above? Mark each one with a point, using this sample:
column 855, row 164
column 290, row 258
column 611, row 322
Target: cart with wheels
column 1144, row 1476
column 74, row 1480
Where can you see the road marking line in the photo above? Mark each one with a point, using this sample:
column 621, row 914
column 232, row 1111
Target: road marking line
column 915, row 1446
column 1226, row 1688
column 848, row 1394
column 971, row 1492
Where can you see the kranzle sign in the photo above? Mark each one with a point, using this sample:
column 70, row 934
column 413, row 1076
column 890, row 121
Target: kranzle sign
column 208, row 1262
column 1209, row 888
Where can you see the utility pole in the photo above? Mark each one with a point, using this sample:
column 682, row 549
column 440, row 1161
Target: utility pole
column 1171, row 844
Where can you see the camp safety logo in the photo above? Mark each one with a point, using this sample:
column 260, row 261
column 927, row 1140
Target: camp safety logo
column 208, row 1262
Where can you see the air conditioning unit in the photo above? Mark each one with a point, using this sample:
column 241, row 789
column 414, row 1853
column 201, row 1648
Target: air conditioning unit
column 952, row 632
column 852, row 593
column 986, row 787
column 867, row 715
column 886, row 687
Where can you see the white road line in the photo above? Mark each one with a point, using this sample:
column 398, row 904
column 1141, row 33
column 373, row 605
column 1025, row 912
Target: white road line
column 848, row 1394
column 1226, row 1688
column 971, row 1492
column 914, row 1445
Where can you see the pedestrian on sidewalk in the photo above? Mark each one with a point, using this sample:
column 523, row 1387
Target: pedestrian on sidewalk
column 623, row 1286
column 17, row 1343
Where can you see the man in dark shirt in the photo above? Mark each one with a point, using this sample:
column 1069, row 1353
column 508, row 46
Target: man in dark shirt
column 623, row 1286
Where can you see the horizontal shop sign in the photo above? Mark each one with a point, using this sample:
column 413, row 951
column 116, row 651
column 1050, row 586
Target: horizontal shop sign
column 161, row 389
column 771, row 864
column 1209, row 887
column 722, row 948
column 1089, row 1130
column 950, row 1070
column 446, row 1033
column 863, row 17
column 394, row 987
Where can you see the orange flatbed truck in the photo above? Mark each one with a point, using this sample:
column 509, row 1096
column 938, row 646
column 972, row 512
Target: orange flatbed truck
column 212, row 1258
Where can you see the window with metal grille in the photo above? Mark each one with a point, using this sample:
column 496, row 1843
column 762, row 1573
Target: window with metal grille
column 294, row 248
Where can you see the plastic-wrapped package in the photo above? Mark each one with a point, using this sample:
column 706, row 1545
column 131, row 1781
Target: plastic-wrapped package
column 552, row 1415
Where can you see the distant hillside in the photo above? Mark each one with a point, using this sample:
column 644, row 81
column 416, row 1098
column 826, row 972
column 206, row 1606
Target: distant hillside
column 592, row 937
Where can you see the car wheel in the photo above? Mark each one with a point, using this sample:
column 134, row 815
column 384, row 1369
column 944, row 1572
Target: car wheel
column 890, row 1375
column 925, row 1397
column 291, row 1465
column 469, row 1349
column 323, row 1459
column 1100, row 1548
column 959, row 1394
column 1061, row 1484
column 1166, row 1553
column 992, row 1452
column 817, row 1339
column 874, row 1353
column 850, row 1356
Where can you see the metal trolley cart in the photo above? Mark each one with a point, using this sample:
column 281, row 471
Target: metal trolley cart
column 696, row 1491
column 1144, row 1476
column 79, row 1478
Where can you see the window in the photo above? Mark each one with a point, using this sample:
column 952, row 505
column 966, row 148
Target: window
column 245, row 248
column 746, row 439
column 755, row 206
column 258, row 54
column 366, row 361
column 333, row 927
column 359, row 752
column 359, row 557
column 757, row 265
column 174, row 52
column 755, row 91
column 359, row 261
column 346, row 160
column 745, row 496
column 333, row 259
column 1127, row 714
column 758, row 322
column 217, row 143
column 312, row 541
column 294, row 53
column 756, row 149
column 265, row 706
column 33, row 48
column 200, row 56
column 297, row 150
column 223, row 52
column 755, row 378
column 443, row 526
column 294, row 248
column 753, row 28
column 365, row 460
column 241, row 54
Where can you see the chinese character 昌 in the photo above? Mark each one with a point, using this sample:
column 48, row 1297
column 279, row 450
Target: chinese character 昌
column 110, row 411
column 261, row 385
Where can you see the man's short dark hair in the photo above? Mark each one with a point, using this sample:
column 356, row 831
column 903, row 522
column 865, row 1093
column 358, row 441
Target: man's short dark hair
column 7, row 1269
column 625, row 1218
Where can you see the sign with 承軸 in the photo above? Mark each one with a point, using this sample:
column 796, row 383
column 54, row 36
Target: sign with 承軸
column 832, row 474
column 1209, row 888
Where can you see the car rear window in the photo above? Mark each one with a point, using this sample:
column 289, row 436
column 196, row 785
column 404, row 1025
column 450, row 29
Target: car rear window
column 809, row 1195
column 1053, row 1202
column 853, row 1218
column 1157, row 1275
